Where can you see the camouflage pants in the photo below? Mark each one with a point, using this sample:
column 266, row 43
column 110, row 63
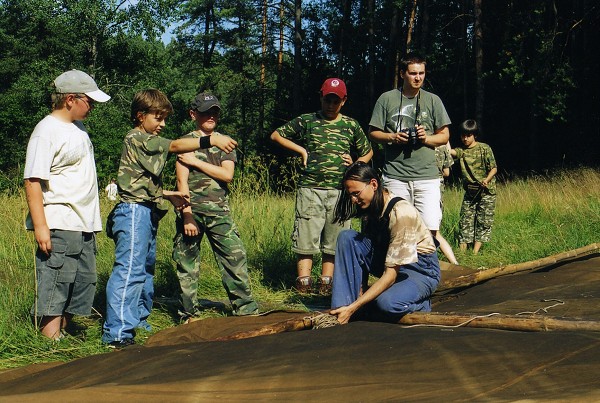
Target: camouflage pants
column 230, row 254
column 476, row 217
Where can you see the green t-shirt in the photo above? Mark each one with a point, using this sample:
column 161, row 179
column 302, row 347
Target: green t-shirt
column 325, row 141
column 394, row 112
column 143, row 159
column 208, row 195
column 480, row 159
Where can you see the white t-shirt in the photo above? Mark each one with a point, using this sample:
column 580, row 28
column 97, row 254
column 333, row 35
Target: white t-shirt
column 62, row 156
column 111, row 191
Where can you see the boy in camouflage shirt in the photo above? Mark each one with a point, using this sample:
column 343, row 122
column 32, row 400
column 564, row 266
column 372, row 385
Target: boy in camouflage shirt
column 478, row 168
column 325, row 140
column 203, row 175
column 133, row 223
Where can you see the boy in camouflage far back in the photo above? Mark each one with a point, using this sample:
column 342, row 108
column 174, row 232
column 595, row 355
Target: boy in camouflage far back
column 325, row 140
column 204, row 176
column 478, row 167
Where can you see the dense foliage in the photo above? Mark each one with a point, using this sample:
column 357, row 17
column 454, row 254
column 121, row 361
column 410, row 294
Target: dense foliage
column 530, row 73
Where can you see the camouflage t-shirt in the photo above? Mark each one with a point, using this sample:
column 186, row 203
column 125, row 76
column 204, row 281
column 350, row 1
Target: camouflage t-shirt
column 206, row 193
column 409, row 235
column 325, row 141
column 480, row 159
column 443, row 159
column 143, row 159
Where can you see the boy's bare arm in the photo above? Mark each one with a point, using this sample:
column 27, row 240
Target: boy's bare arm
column 190, row 228
column 223, row 173
column 35, row 201
column 489, row 176
column 367, row 157
column 290, row 145
column 188, row 144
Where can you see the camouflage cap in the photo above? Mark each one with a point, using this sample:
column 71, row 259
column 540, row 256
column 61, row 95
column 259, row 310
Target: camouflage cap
column 204, row 101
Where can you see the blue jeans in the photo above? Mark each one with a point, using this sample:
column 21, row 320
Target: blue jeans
column 414, row 285
column 130, row 288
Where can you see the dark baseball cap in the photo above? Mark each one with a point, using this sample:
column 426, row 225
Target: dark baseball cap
column 204, row 101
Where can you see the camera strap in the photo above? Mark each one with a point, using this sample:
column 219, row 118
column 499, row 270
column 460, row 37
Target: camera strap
column 417, row 110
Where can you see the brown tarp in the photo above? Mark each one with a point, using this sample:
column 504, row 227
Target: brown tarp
column 361, row 361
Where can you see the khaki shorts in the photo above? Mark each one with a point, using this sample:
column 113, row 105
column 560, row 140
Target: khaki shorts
column 66, row 279
column 314, row 231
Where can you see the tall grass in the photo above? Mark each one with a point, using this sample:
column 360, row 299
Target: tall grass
column 535, row 217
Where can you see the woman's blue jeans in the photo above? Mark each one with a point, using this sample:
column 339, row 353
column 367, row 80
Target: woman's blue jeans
column 415, row 283
column 130, row 288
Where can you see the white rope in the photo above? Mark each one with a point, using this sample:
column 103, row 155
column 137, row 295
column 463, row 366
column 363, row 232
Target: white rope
column 545, row 310
column 466, row 322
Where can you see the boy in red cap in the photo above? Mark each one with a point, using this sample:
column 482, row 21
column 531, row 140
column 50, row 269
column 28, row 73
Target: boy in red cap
column 326, row 141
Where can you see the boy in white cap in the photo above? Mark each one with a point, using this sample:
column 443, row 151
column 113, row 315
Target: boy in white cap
column 64, row 213
column 325, row 140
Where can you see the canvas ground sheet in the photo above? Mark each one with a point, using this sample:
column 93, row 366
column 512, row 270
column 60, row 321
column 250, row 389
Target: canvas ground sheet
column 361, row 361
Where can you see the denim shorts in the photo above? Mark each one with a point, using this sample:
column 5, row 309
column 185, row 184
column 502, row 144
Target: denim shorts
column 314, row 231
column 66, row 279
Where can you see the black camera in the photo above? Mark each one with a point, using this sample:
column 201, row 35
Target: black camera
column 412, row 135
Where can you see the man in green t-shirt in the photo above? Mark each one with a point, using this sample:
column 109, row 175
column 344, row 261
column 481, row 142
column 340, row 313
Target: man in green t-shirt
column 410, row 122
column 327, row 141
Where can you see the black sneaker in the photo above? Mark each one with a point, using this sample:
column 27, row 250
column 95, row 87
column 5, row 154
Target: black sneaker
column 119, row 344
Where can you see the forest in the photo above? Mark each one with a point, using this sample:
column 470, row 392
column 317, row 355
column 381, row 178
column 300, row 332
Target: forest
column 527, row 70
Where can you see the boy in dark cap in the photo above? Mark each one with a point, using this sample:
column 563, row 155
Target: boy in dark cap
column 325, row 140
column 204, row 175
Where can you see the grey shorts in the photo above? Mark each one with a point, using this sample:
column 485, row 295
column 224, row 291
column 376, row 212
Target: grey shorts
column 314, row 231
column 66, row 280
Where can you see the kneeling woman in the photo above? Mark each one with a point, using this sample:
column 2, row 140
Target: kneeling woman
column 395, row 245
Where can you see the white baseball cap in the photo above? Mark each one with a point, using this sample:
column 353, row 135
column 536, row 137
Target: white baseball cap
column 78, row 82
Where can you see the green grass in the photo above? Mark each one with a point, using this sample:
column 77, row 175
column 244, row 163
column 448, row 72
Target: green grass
column 535, row 217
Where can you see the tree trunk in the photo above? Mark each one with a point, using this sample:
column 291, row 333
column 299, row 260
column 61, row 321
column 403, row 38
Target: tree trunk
column 411, row 26
column 424, row 12
column 297, row 55
column 347, row 6
column 261, row 111
column 280, row 52
column 371, row 64
column 393, row 70
column 478, row 48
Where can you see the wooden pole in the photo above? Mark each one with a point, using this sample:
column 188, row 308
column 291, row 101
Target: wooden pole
column 523, row 323
column 289, row 325
column 482, row 275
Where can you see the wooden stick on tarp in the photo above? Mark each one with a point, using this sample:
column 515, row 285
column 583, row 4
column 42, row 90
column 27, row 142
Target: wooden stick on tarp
column 289, row 325
column 482, row 275
column 529, row 323
column 498, row 321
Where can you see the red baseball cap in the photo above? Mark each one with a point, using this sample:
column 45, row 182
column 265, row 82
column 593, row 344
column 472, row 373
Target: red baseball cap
column 334, row 86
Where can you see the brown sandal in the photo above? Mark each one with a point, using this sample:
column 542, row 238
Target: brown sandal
column 325, row 283
column 304, row 285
